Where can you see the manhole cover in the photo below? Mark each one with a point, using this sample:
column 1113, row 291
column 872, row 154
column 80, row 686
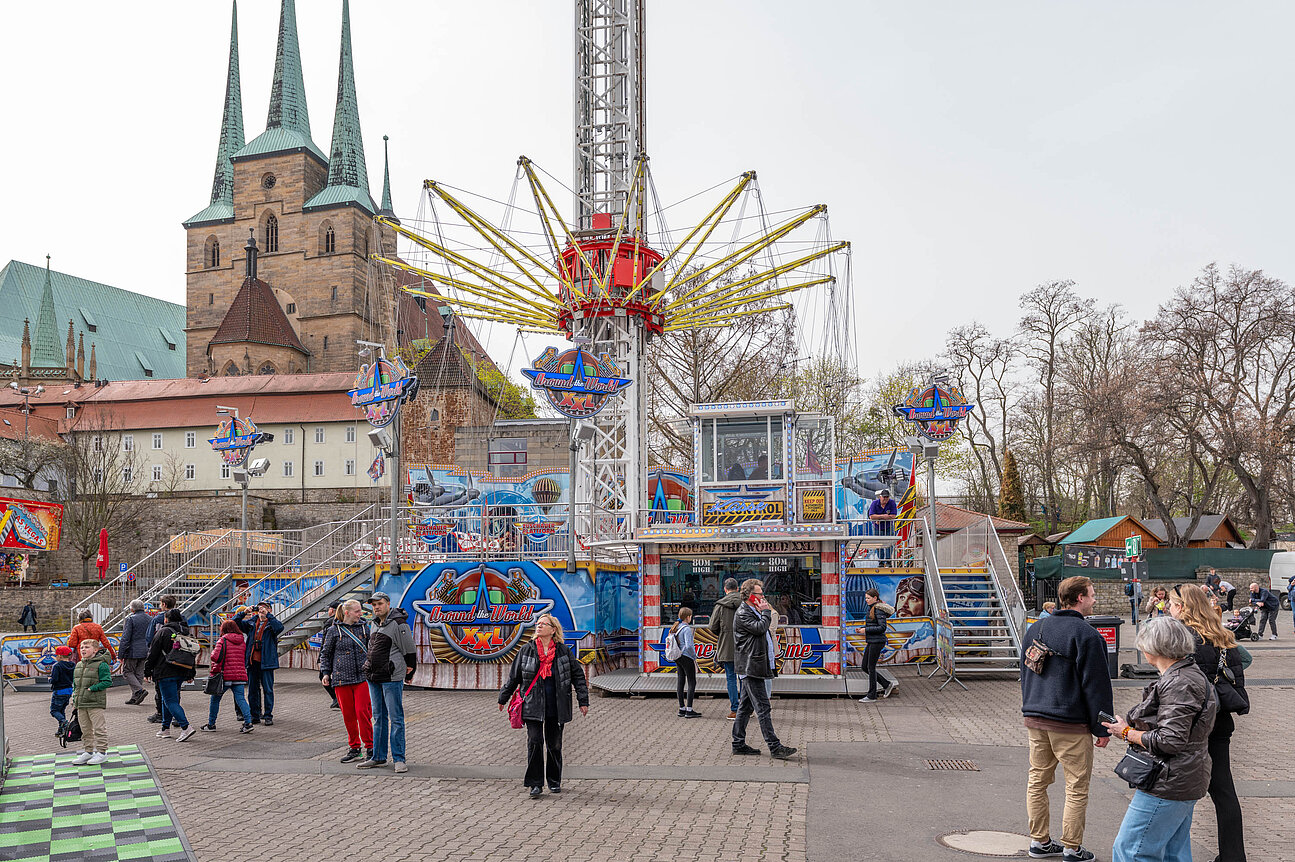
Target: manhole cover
column 965, row 765
column 985, row 843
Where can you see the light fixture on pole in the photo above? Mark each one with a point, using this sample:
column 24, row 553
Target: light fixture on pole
column 27, row 393
column 381, row 389
column 234, row 440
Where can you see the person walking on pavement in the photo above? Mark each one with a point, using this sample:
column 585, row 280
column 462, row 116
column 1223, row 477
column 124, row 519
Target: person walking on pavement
column 685, row 664
column 165, row 604
column 90, row 683
column 170, row 676
column 874, row 637
column 262, row 633
column 1173, row 722
column 1065, row 683
column 87, row 629
column 721, row 623
column 229, row 659
column 134, row 651
column 333, row 618
column 1268, row 606
column 390, row 663
column 60, row 684
column 341, row 663
column 544, row 673
column 27, row 619
column 1217, row 646
column 1290, row 595
column 755, row 655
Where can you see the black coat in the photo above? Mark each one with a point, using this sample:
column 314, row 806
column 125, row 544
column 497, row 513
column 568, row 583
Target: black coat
column 567, row 674
column 157, row 667
column 342, row 657
column 874, row 622
column 751, row 643
column 134, row 636
column 1207, row 659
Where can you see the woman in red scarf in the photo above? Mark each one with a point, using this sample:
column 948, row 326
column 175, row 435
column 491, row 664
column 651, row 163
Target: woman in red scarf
column 543, row 674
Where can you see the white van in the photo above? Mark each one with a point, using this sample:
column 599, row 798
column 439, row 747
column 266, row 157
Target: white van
column 1280, row 572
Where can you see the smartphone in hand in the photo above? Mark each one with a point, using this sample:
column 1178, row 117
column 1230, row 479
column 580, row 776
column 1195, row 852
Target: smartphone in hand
column 1106, row 717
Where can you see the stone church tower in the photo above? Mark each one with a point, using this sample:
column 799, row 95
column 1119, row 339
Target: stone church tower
column 310, row 290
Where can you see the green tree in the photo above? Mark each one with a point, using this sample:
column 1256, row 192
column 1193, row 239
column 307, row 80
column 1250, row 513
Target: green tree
column 1011, row 494
column 511, row 400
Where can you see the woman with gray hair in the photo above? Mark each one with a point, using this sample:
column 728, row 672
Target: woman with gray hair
column 134, row 651
column 1172, row 724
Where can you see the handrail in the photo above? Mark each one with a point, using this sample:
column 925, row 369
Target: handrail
column 159, row 589
column 932, row 568
column 119, row 582
column 1009, row 592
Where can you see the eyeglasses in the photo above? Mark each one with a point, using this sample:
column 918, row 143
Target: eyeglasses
column 542, row 623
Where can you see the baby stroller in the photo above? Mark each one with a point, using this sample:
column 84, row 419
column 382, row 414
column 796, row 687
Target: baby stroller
column 1240, row 624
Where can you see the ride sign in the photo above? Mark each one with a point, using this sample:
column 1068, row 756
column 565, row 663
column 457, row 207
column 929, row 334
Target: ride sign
column 576, row 383
column 381, row 388
column 235, row 439
column 936, row 409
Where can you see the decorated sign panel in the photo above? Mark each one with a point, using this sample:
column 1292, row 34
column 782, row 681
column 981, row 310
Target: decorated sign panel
column 235, row 438
column 721, row 507
column 936, row 409
column 576, row 383
column 26, row 525
column 1092, row 557
column 801, row 649
column 380, row 389
column 907, row 640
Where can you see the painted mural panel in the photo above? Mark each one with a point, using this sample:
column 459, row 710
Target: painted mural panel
column 801, row 649
column 32, row 654
column 26, row 525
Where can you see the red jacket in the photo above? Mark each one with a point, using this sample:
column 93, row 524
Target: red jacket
column 228, row 657
column 89, row 631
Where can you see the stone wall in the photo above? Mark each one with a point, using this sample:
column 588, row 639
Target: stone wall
column 1112, row 600
column 53, row 605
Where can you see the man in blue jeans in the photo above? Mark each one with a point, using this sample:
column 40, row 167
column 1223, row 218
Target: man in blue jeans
column 262, row 633
column 721, row 623
column 390, row 664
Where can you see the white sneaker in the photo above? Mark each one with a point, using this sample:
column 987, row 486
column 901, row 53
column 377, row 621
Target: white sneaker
column 867, row 700
column 1272, row 637
column 186, row 733
column 83, row 758
column 164, row 733
column 99, row 757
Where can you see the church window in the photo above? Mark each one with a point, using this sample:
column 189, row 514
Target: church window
column 211, row 256
column 327, row 238
column 270, row 234
column 292, row 308
column 231, row 370
column 267, row 368
column 334, row 293
column 211, row 299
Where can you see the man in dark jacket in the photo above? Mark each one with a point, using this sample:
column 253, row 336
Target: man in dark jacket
column 133, row 651
column 1268, row 606
column 165, row 604
column 755, row 656
column 262, row 633
column 28, row 617
column 391, row 663
column 1061, row 702
column 721, row 623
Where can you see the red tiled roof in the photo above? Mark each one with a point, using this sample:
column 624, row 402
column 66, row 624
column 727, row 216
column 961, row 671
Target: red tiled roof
column 14, row 424
column 255, row 316
column 950, row 518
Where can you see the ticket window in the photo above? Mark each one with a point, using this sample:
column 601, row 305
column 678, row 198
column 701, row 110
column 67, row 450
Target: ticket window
column 738, row 450
column 792, row 584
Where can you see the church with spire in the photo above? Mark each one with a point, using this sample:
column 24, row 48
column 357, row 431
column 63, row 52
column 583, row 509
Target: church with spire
column 278, row 276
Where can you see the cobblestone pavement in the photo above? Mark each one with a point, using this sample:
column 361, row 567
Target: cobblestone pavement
column 641, row 783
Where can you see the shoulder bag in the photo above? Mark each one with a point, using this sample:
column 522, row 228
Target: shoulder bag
column 216, row 678
column 1232, row 697
column 1140, row 768
column 515, row 705
column 1037, row 655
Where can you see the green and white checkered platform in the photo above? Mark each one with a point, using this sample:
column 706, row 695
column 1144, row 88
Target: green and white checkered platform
column 53, row 811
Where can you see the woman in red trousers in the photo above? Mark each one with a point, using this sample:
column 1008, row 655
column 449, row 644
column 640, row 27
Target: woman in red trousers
column 346, row 646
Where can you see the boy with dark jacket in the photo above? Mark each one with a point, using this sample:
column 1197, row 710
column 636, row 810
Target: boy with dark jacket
column 755, row 657
column 1061, row 702
column 60, row 683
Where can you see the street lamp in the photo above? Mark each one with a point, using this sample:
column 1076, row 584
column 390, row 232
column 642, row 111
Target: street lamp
column 27, row 393
column 389, row 445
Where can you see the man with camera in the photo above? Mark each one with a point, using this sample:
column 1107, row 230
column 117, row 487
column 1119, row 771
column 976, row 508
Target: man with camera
column 262, row 633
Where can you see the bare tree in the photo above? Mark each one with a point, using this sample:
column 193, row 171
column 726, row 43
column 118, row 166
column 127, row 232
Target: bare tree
column 1052, row 311
column 28, row 457
column 1229, row 338
column 986, row 366
column 105, row 490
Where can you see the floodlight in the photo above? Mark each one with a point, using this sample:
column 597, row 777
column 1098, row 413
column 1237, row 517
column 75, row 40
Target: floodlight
column 380, row 439
column 240, row 475
column 258, row 467
column 583, row 432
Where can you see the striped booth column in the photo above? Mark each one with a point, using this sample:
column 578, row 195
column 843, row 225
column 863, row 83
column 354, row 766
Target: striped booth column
column 831, row 608
column 650, row 578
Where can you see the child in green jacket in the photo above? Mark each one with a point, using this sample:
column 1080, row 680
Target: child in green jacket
column 90, row 683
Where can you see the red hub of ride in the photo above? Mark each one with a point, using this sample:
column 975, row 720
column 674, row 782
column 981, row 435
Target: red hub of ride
column 587, row 263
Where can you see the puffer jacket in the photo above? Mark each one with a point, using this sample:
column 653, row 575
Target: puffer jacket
column 91, row 680
column 230, row 657
column 567, row 674
column 721, row 623
column 1176, row 716
column 392, row 655
column 751, row 643
column 874, row 622
column 342, row 657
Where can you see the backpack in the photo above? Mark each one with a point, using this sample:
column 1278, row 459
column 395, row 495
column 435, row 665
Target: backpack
column 672, row 649
column 184, row 650
column 69, row 731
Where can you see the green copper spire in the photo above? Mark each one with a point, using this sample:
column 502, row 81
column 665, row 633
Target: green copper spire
column 384, row 209
column 46, row 351
column 287, row 128
column 348, row 177
column 288, row 91
column 231, row 123
column 221, row 208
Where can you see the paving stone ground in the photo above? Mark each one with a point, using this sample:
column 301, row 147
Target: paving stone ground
column 642, row 783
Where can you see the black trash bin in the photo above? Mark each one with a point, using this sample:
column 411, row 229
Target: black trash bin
column 1109, row 628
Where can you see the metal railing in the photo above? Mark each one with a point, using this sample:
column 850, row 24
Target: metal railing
column 931, row 565
column 1009, row 591
column 904, row 553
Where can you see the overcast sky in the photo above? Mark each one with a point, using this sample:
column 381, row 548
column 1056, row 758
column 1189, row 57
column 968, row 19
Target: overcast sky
column 968, row 150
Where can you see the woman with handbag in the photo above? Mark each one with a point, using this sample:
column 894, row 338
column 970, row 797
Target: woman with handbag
column 1223, row 660
column 547, row 672
column 228, row 673
column 341, row 665
column 685, row 662
column 874, row 640
column 1167, row 761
